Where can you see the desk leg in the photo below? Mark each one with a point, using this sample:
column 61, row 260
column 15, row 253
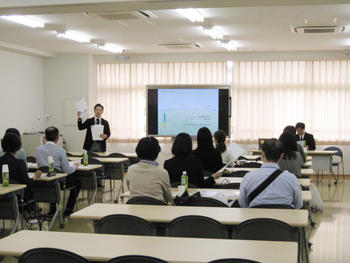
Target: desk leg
column 305, row 243
column 121, row 187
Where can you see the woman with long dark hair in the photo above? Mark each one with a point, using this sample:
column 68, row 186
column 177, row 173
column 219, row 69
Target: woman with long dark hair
column 219, row 141
column 292, row 160
column 183, row 161
column 206, row 153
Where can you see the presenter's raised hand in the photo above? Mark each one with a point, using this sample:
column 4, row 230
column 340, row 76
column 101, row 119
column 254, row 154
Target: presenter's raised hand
column 78, row 114
column 103, row 136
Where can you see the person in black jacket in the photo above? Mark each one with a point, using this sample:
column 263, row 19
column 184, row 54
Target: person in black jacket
column 211, row 158
column 89, row 143
column 304, row 136
column 182, row 161
column 11, row 143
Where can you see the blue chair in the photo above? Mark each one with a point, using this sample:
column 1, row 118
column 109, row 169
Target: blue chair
column 337, row 163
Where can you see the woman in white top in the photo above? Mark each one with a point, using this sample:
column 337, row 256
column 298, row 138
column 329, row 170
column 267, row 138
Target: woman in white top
column 219, row 141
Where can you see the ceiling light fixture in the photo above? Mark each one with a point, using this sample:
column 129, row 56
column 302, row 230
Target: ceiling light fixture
column 75, row 36
column 230, row 45
column 25, row 20
column 111, row 48
column 213, row 31
column 192, row 14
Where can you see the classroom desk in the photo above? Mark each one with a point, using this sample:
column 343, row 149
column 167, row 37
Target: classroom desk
column 45, row 178
column 226, row 180
column 322, row 160
column 110, row 159
column 105, row 154
column 11, row 188
column 232, row 193
column 82, row 168
column 102, row 247
column 303, row 171
column 164, row 214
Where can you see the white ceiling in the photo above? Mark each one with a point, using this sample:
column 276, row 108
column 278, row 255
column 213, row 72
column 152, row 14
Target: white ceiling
column 254, row 28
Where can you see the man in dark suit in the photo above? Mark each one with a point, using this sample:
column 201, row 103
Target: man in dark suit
column 304, row 136
column 90, row 144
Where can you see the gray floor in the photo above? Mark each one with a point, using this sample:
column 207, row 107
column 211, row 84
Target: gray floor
column 330, row 237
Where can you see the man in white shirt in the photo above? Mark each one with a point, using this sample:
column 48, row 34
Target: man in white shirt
column 61, row 164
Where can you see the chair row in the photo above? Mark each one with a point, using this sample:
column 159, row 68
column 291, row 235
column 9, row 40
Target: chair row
column 198, row 227
column 53, row 255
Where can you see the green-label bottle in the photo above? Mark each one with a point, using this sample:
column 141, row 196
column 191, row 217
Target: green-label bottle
column 5, row 175
column 184, row 180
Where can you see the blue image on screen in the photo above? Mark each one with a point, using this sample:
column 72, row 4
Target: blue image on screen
column 187, row 110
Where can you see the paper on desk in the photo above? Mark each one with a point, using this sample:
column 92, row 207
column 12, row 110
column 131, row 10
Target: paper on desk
column 96, row 131
column 223, row 168
column 235, row 150
column 71, row 163
column 81, row 106
column 31, row 175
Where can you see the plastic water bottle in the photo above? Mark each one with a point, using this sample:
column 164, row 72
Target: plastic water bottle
column 51, row 164
column 5, row 175
column 85, row 158
column 184, row 180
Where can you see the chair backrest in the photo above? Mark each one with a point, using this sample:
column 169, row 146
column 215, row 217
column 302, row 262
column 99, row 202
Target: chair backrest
column 205, row 201
column 125, row 225
column 265, row 229
column 8, row 207
column 145, row 200
column 334, row 148
column 88, row 180
column 251, row 165
column 230, row 186
column 176, row 184
column 136, row 259
column 52, row 255
column 46, row 192
column 196, row 226
column 233, row 260
column 240, row 173
column 31, row 159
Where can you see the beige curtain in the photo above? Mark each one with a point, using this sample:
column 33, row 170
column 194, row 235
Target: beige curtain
column 122, row 89
column 267, row 96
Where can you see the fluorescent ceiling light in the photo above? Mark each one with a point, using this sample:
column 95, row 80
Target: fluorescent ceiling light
column 213, row 31
column 192, row 14
column 229, row 45
column 111, row 48
column 75, row 36
column 25, row 20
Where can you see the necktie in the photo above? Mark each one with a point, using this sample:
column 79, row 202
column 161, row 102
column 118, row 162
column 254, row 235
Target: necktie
column 97, row 121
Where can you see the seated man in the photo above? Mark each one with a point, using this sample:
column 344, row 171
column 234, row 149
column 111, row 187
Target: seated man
column 61, row 164
column 284, row 190
column 146, row 178
column 304, row 136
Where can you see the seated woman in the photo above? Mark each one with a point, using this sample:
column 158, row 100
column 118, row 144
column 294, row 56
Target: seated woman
column 219, row 141
column 20, row 154
column 182, row 161
column 210, row 158
column 146, row 178
column 11, row 143
column 292, row 160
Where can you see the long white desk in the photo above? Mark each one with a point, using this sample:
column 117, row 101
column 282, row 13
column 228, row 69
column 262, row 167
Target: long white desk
column 233, row 193
column 227, row 180
column 322, row 160
column 164, row 214
column 235, row 169
column 100, row 247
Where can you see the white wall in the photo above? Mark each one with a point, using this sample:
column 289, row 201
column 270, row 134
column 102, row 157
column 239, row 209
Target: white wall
column 66, row 78
column 22, row 91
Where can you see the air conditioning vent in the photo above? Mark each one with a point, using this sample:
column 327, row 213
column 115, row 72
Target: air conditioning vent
column 116, row 16
column 318, row 29
column 180, row 45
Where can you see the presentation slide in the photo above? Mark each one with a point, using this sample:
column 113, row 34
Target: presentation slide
column 187, row 110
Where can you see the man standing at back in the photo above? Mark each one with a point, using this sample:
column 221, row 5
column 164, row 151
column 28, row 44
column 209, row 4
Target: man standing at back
column 304, row 136
column 94, row 144
column 61, row 164
column 269, row 185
